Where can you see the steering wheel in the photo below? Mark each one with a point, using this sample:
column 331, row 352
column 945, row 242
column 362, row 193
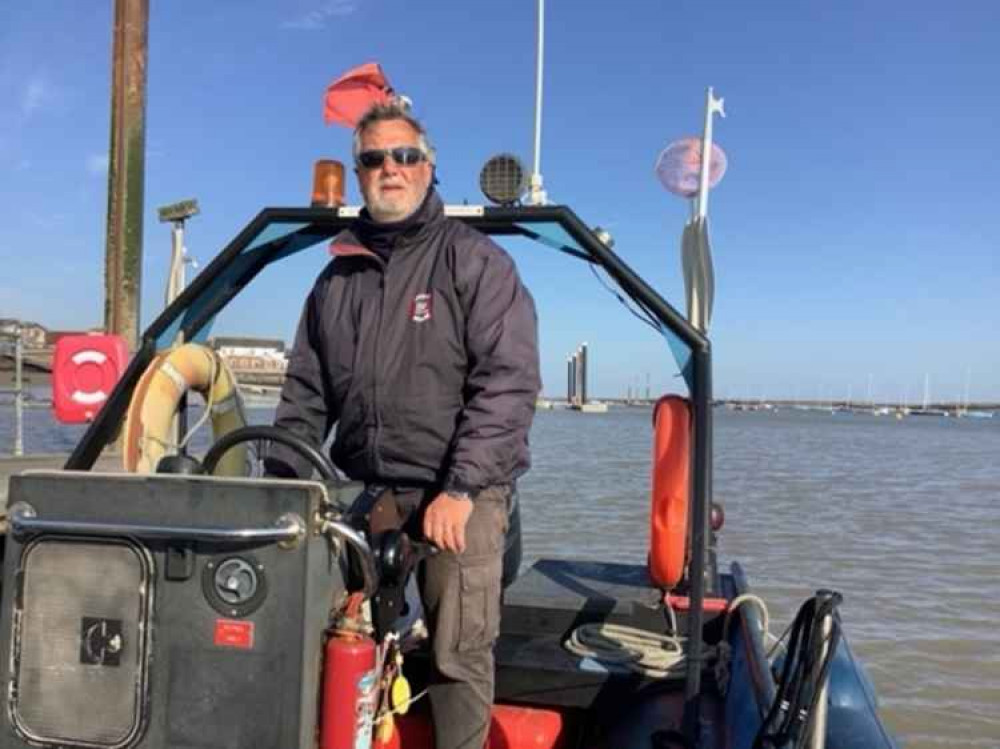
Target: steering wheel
column 264, row 433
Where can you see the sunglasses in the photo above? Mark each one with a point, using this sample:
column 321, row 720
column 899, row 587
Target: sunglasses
column 402, row 155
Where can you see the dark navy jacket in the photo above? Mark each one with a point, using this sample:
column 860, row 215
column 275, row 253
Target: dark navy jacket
column 427, row 364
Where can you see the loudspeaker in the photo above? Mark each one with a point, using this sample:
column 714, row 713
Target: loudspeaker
column 158, row 612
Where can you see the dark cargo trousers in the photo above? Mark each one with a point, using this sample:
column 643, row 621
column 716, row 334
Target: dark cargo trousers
column 461, row 597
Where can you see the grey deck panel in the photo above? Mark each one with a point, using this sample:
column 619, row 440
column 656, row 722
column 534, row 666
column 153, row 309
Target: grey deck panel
column 555, row 595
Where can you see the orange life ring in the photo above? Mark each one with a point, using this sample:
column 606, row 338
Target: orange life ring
column 149, row 422
column 668, row 537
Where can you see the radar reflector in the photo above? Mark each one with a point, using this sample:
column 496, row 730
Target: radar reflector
column 678, row 167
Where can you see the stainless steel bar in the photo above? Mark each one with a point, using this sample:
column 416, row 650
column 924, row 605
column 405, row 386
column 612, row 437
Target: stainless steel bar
column 355, row 538
column 288, row 529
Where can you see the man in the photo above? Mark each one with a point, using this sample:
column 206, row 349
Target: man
column 420, row 343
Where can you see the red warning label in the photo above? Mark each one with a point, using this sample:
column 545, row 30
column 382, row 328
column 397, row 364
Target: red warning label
column 233, row 634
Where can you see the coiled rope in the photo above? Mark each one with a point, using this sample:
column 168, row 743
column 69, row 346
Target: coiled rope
column 657, row 656
column 648, row 653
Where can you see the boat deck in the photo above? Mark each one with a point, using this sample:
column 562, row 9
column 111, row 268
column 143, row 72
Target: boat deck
column 543, row 607
column 533, row 668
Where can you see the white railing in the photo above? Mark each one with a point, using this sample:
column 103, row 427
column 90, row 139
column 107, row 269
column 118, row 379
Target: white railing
column 15, row 340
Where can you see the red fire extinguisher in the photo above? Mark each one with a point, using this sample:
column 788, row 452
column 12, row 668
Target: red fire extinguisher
column 350, row 683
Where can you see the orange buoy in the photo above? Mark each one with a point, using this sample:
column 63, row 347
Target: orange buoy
column 668, row 532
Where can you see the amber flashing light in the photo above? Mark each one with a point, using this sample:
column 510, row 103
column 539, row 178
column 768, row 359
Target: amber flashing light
column 328, row 184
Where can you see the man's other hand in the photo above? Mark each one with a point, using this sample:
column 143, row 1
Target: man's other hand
column 445, row 521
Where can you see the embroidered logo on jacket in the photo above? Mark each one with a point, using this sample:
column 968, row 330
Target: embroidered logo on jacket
column 421, row 308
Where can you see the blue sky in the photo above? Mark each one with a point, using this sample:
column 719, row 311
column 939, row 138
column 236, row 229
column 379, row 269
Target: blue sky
column 855, row 235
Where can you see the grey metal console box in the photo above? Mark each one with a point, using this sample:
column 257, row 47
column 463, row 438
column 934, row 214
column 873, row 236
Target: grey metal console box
column 163, row 611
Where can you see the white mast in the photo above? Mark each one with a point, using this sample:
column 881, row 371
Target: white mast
column 696, row 254
column 712, row 106
column 536, row 194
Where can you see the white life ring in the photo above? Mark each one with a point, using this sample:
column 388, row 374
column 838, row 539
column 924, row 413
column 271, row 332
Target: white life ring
column 157, row 396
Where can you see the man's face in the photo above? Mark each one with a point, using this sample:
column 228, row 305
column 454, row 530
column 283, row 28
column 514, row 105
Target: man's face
column 392, row 191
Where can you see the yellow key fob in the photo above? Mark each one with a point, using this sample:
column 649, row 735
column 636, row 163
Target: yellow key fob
column 386, row 728
column 401, row 694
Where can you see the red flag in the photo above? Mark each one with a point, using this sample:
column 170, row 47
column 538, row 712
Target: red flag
column 354, row 93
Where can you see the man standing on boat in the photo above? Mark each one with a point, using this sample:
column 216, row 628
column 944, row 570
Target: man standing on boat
column 419, row 343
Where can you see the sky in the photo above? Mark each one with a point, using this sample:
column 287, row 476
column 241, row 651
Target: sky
column 855, row 234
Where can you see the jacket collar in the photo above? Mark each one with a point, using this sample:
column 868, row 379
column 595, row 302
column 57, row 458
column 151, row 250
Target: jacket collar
column 356, row 240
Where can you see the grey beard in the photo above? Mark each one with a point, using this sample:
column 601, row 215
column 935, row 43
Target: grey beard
column 392, row 215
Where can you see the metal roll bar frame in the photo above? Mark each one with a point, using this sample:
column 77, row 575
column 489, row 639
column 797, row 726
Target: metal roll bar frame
column 318, row 224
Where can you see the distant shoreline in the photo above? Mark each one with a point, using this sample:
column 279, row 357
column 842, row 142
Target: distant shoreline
column 36, row 379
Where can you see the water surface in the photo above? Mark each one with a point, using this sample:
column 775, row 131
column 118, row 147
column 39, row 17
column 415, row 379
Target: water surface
column 901, row 517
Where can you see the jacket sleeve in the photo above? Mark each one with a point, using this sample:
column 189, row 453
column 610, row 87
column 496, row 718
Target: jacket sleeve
column 303, row 407
column 503, row 381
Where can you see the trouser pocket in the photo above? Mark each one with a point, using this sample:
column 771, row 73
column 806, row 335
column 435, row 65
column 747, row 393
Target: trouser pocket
column 479, row 615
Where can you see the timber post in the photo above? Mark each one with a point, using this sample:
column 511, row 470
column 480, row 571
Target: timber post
column 126, row 171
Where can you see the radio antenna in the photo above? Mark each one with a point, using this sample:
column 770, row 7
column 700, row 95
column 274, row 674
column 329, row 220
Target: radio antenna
column 536, row 194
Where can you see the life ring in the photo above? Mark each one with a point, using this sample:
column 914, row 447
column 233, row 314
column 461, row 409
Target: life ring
column 671, row 490
column 156, row 398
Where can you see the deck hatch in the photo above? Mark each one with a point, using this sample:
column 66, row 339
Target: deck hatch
column 80, row 629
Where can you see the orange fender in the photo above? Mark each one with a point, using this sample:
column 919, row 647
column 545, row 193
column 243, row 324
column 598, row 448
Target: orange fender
column 668, row 537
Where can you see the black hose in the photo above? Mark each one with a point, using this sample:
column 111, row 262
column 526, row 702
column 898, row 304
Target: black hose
column 804, row 672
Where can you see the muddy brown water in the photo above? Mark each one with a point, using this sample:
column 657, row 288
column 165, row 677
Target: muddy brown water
column 902, row 517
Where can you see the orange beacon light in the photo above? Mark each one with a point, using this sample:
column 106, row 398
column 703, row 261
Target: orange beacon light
column 328, row 184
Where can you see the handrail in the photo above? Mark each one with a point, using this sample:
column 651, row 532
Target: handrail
column 18, row 390
column 356, row 539
column 287, row 531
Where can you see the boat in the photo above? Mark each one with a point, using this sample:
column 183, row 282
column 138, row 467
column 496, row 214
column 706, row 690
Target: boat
column 186, row 608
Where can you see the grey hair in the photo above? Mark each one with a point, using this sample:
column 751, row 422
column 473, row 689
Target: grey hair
column 397, row 109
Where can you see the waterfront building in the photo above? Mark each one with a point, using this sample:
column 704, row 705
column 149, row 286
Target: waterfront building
column 256, row 355
column 33, row 335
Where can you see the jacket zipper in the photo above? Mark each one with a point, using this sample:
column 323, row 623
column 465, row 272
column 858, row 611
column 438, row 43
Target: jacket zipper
column 375, row 459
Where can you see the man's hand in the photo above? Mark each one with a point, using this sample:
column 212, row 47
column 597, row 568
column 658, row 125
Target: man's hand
column 445, row 520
